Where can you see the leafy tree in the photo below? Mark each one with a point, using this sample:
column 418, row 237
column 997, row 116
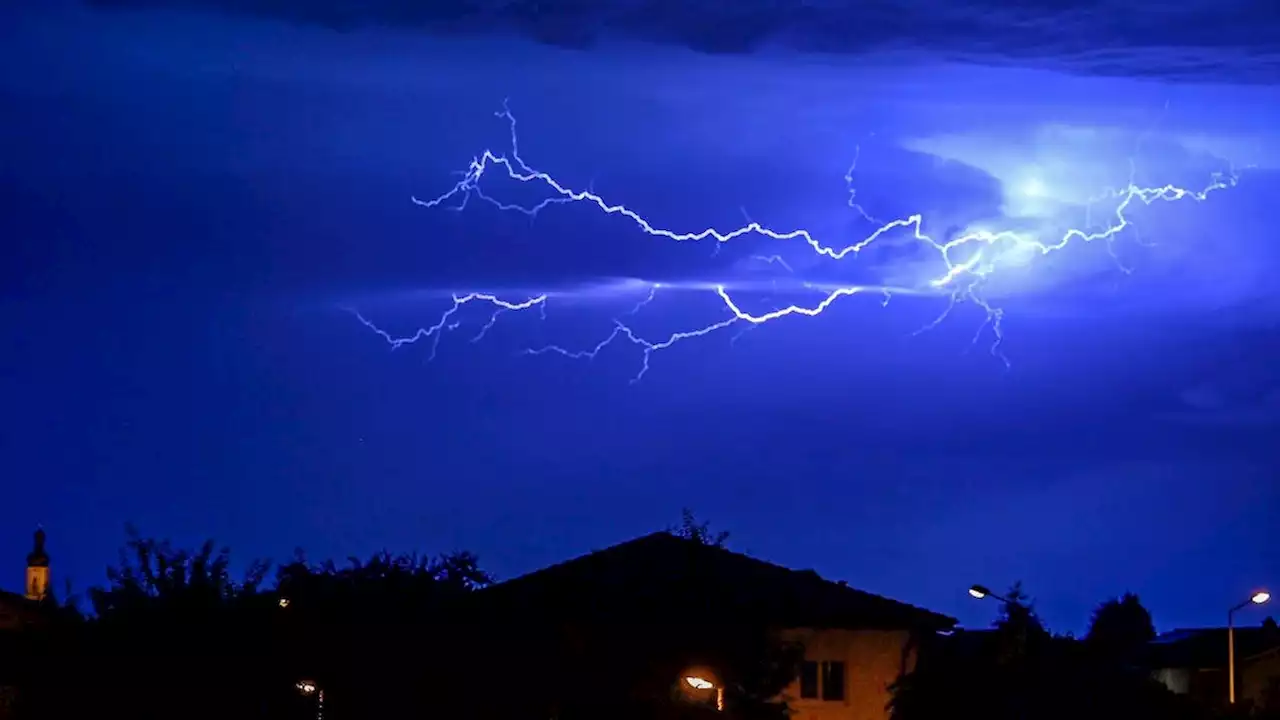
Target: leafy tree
column 1019, row 630
column 390, row 584
column 1120, row 630
column 691, row 529
column 1017, row 611
column 172, row 633
column 156, row 581
column 175, row 632
column 1019, row 670
column 380, row 634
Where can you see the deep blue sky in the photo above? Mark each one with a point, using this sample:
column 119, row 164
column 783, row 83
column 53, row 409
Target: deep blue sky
column 189, row 204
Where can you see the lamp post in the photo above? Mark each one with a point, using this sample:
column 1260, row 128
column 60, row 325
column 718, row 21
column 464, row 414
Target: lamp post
column 700, row 682
column 980, row 592
column 309, row 688
column 1257, row 598
column 1016, row 617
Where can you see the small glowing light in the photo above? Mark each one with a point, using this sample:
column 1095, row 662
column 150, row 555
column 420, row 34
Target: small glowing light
column 977, row 593
column 698, row 683
column 284, row 602
column 1260, row 597
column 306, row 687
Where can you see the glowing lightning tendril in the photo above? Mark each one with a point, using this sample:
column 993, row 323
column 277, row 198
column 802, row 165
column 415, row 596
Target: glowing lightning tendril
column 968, row 259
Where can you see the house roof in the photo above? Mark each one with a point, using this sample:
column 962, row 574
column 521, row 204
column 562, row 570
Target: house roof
column 1206, row 648
column 17, row 608
column 13, row 599
column 1274, row 650
column 661, row 575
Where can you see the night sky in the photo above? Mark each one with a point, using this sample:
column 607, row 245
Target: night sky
column 192, row 206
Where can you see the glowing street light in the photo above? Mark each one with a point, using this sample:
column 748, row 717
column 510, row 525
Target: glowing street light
column 980, row 592
column 1258, row 598
column 309, row 688
column 699, row 683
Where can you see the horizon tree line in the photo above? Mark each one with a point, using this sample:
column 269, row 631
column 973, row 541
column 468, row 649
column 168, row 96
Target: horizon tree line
column 394, row 633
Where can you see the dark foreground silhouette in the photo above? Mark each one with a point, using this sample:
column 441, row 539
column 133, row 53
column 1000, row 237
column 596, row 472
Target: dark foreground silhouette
column 174, row 634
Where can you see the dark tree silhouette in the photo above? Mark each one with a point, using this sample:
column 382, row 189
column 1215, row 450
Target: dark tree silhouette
column 1019, row 670
column 154, row 579
column 171, row 633
column 1120, row 630
column 379, row 636
column 1019, row 630
column 391, row 585
column 174, row 633
column 1018, row 611
column 691, row 529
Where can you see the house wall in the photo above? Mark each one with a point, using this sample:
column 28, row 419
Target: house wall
column 874, row 660
column 1260, row 677
column 1178, row 680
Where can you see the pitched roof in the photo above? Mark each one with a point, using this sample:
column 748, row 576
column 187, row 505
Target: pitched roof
column 661, row 575
column 1206, row 648
column 1268, row 652
column 16, row 610
column 13, row 599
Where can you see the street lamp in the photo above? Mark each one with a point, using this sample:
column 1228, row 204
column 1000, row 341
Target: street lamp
column 1258, row 598
column 698, row 683
column 309, row 688
column 980, row 592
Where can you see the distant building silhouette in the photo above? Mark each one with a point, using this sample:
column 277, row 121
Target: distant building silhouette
column 1193, row 662
column 37, row 584
column 19, row 609
column 856, row 644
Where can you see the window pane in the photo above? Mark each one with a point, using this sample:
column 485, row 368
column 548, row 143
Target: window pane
column 808, row 679
column 833, row 681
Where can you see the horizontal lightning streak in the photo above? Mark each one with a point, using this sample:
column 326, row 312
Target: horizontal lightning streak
column 434, row 332
column 968, row 259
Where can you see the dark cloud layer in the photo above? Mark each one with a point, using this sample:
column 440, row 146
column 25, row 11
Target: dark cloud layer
column 1231, row 41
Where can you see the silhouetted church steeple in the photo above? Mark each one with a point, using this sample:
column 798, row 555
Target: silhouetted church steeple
column 38, row 569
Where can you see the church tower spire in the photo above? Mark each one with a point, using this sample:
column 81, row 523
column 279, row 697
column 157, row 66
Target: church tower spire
column 38, row 569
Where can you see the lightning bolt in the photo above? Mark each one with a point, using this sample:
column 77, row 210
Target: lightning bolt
column 967, row 260
column 447, row 322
